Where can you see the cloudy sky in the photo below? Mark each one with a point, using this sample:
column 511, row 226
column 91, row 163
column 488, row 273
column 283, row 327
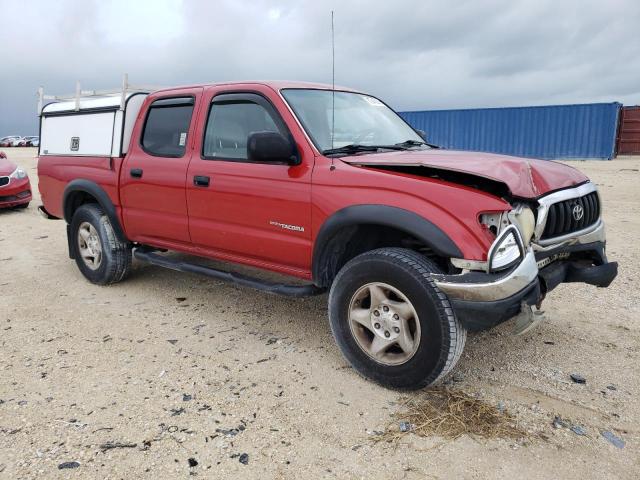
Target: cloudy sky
column 415, row 54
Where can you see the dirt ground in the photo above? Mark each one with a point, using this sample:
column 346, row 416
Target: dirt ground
column 169, row 367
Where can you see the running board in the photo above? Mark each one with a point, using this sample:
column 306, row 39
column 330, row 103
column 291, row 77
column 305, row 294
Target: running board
column 237, row 278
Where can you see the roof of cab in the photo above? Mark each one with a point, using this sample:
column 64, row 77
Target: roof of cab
column 274, row 84
column 113, row 101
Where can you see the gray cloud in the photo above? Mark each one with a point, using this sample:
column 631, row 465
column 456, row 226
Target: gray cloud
column 414, row 54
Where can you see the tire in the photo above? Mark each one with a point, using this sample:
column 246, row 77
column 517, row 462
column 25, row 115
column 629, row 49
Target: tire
column 435, row 335
column 23, row 206
column 114, row 261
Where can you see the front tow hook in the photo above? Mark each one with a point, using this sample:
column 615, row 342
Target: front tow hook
column 528, row 318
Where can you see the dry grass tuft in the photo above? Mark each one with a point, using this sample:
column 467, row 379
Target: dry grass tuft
column 448, row 413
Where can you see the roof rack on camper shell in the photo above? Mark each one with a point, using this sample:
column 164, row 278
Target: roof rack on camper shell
column 90, row 122
column 122, row 93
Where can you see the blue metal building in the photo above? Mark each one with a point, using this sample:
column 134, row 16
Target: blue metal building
column 555, row 131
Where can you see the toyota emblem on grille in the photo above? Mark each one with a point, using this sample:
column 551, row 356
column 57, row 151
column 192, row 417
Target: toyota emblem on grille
column 578, row 212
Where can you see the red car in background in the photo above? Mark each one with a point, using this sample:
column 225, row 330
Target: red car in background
column 15, row 187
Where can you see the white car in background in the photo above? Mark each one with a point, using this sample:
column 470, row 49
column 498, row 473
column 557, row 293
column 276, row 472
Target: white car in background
column 29, row 141
column 9, row 141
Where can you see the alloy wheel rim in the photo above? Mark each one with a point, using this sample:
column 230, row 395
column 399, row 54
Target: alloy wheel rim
column 89, row 246
column 384, row 323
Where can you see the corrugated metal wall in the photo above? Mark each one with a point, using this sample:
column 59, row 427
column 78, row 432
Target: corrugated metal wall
column 629, row 131
column 556, row 131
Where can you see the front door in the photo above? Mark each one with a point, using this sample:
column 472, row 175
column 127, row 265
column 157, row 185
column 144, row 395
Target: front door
column 250, row 212
column 153, row 176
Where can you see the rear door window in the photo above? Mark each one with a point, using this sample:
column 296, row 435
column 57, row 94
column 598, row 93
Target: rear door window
column 167, row 126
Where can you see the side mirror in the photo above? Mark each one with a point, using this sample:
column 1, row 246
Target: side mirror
column 270, row 147
column 422, row 134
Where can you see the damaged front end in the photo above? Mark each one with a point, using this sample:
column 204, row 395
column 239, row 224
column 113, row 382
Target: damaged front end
column 552, row 234
column 562, row 240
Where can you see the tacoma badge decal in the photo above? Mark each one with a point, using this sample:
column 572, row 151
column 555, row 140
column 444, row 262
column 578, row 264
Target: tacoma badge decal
column 295, row 228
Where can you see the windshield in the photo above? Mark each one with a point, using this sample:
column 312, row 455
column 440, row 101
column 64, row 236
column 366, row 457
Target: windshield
column 359, row 119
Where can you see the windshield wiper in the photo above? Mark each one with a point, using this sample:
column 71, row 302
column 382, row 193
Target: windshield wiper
column 410, row 143
column 357, row 148
column 416, row 143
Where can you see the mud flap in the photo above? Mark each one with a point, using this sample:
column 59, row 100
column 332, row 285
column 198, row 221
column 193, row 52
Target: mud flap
column 69, row 240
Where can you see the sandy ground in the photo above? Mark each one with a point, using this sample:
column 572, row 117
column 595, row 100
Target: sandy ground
column 184, row 367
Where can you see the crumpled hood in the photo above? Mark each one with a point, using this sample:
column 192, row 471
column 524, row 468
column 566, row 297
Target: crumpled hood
column 525, row 177
column 7, row 167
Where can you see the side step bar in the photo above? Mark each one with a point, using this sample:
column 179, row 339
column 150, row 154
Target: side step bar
column 288, row 290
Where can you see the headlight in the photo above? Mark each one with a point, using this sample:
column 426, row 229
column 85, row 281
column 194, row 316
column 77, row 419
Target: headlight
column 525, row 220
column 18, row 173
column 507, row 250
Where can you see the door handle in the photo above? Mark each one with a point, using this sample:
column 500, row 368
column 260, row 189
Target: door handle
column 201, row 181
column 136, row 172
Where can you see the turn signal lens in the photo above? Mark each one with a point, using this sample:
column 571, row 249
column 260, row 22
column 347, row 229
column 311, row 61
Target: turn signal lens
column 506, row 250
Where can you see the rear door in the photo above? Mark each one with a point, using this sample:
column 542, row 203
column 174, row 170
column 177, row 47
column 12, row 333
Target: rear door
column 153, row 177
column 250, row 212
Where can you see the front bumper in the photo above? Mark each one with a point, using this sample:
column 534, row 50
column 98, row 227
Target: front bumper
column 17, row 192
column 483, row 300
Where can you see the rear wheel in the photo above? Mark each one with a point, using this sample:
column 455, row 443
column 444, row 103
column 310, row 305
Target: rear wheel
column 391, row 321
column 101, row 256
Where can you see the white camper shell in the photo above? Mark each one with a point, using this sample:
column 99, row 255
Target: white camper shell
column 90, row 123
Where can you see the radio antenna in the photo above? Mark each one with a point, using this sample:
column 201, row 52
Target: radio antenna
column 333, row 82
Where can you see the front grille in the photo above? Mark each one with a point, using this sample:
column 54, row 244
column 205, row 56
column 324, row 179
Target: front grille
column 562, row 221
column 4, row 181
column 13, row 198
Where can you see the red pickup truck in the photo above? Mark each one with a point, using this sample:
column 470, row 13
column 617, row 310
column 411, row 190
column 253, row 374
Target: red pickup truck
column 415, row 244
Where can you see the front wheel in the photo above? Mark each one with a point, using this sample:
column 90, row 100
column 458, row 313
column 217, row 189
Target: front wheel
column 101, row 256
column 391, row 321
